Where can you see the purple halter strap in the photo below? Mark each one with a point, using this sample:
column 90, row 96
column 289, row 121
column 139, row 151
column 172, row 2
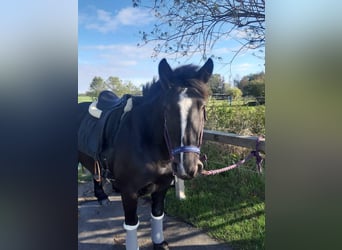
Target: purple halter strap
column 186, row 149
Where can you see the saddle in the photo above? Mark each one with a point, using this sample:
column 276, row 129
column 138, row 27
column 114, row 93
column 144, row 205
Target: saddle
column 107, row 101
column 92, row 128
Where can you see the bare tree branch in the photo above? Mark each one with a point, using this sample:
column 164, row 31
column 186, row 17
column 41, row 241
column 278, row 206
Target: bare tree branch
column 186, row 27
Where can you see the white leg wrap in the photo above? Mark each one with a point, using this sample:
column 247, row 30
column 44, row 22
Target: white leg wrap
column 157, row 229
column 131, row 237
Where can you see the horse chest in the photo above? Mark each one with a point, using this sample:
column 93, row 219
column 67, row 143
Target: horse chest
column 148, row 189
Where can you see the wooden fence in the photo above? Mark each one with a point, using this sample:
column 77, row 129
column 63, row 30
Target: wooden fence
column 226, row 138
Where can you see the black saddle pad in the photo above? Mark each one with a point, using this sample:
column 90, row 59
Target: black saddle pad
column 91, row 131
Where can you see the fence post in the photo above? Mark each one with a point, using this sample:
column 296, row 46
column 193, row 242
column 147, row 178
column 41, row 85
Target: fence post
column 180, row 190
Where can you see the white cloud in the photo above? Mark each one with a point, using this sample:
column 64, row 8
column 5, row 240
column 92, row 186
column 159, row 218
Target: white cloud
column 243, row 66
column 132, row 63
column 126, row 61
column 137, row 73
column 240, row 34
column 104, row 16
column 121, row 50
column 244, row 69
column 221, row 51
column 104, row 21
column 133, row 16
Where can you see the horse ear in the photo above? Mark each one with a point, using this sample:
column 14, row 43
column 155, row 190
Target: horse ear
column 165, row 74
column 206, row 71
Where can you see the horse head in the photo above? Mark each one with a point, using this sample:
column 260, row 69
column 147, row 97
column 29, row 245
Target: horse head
column 184, row 99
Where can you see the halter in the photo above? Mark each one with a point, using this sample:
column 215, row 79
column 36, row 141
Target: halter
column 183, row 149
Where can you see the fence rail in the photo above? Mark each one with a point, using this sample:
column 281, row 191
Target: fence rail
column 234, row 139
column 225, row 138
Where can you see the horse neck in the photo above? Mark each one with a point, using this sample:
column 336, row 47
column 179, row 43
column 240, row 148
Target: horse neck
column 153, row 118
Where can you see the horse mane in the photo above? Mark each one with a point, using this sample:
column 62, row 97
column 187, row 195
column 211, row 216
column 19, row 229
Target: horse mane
column 151, row 89
column 183, row 77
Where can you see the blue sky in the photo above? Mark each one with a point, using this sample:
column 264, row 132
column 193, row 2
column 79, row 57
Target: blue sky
column 108, row 34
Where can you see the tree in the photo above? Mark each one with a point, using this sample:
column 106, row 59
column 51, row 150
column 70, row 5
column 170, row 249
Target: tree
column 96, row 86
column 234, row 92
column 114, row 84
column 187, row 27
column 253, row 85
column 132, row 89
column 216, row 84
column 120, row 88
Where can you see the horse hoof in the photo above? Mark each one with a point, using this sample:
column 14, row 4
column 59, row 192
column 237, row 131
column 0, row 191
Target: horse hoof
column 104, row 202
column 161, row 246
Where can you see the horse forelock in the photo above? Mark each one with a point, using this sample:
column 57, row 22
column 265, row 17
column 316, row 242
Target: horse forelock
column 183, row 77
column 187, row 77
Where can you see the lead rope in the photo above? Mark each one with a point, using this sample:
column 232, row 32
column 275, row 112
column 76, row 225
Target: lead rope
column 254, row 153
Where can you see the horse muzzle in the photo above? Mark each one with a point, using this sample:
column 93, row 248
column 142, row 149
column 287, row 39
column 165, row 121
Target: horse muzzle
column 185, row 170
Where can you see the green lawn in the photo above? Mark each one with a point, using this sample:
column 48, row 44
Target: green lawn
column 82, row 98
column 229, row 206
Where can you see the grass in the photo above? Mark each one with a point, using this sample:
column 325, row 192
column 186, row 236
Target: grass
column 82, row 98
column 229, row 206
column 83, row 175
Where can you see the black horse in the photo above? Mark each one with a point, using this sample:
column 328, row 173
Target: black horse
column 158, row 137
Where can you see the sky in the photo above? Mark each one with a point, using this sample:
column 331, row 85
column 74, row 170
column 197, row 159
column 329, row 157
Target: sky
column 108, row 34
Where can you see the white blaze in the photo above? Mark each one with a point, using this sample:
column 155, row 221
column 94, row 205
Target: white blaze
column 185, row 104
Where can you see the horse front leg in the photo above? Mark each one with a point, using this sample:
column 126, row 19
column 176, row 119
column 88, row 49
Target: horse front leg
column 157, row 216
column 130, row 203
